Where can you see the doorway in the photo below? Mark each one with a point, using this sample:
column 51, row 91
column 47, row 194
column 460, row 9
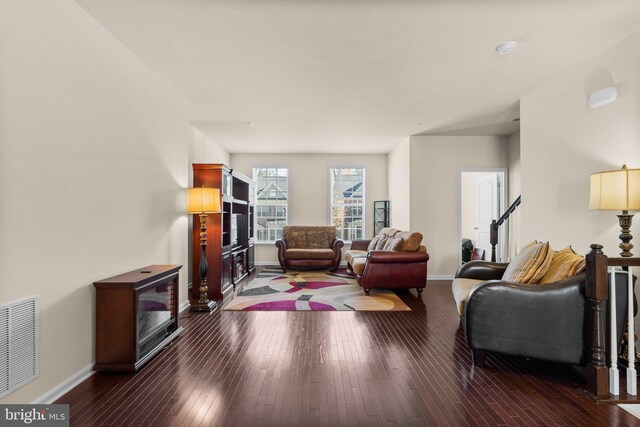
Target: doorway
column 483, row 198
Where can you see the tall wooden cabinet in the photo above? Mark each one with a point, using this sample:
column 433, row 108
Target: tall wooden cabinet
column 230, row 234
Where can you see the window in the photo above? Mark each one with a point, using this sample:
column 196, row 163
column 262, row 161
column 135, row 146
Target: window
column 346, row 191
column 272, row 202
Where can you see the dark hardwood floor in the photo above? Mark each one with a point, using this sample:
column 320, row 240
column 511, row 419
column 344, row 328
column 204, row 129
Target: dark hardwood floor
column 336, row 368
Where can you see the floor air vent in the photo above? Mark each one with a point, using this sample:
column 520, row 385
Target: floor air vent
column 18, row 344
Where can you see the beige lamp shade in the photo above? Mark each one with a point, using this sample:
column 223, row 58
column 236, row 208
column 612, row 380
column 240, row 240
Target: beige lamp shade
column 617, row 190
column 203, row 200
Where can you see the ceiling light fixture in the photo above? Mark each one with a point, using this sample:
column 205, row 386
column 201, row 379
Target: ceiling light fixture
column 602, row 97
column 506, row 48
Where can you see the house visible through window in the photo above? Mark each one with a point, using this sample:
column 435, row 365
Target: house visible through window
column 346, row 186
column 272, row 202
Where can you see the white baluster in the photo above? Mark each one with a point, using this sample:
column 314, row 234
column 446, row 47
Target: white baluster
column 614, row 373
column 632, row 386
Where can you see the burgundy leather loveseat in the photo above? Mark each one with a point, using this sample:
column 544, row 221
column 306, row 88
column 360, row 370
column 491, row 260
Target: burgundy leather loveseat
column 393, row 259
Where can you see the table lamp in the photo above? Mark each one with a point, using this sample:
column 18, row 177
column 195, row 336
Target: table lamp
column 617, row 190
column 203, row 201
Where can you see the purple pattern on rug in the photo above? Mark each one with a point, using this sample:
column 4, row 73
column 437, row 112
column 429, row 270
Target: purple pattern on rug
column 311, row 285
column 318, row 306
column 287, row 306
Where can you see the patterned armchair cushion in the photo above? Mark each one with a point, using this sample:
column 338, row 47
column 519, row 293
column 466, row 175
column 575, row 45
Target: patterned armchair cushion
column 309, row 254
column 296, row 240
column 317, row 240
column 309, row 237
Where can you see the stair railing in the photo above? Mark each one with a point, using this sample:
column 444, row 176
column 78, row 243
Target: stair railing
column 603, row 382
column 495, row 225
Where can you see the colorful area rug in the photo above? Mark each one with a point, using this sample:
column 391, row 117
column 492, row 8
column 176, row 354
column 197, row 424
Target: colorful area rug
column 271, row 290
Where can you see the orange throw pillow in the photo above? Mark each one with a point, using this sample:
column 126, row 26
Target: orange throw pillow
column 564, row 264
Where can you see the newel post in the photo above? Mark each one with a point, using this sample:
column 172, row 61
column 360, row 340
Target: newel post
column 598, row 292
column 493, row 239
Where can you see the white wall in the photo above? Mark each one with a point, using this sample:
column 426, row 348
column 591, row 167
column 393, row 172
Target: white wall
column 309, row 187
column 400, row 184
column 203, row 149
column 563, row 141
column 515, row 189
column 436, row 162
column 93, row 163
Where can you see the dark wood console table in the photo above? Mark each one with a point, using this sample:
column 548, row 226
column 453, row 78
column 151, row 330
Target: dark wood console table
column 136, row 316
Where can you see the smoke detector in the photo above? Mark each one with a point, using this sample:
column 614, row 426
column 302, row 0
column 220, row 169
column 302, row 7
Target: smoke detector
column 506, row 48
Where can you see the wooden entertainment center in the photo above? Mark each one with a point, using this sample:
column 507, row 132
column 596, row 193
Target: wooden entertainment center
column 230, row 234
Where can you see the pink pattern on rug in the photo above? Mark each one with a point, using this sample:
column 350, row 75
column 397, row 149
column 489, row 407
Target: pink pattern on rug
column 287, row 306
column 318, row 306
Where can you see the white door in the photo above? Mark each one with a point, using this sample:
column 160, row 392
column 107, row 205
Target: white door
column 487, row 205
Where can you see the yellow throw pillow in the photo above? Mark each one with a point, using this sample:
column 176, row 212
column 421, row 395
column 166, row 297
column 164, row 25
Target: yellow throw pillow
column 564, row 264
column 531, row 263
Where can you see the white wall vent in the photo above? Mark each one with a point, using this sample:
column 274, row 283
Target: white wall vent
column 19, row 355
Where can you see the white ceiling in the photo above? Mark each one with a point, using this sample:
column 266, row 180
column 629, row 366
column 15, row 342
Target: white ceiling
column 358, row 76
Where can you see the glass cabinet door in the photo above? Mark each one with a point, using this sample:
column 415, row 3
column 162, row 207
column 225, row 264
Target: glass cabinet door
column 155, row 313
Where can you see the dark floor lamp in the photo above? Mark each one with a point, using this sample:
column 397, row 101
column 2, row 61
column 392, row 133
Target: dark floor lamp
column 203, row 201
column 618, row 190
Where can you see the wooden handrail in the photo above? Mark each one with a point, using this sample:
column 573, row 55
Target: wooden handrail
column 495, row 224
column 597, row 291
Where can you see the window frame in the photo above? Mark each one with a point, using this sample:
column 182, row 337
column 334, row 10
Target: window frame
column 255, row 202
column 364, row 195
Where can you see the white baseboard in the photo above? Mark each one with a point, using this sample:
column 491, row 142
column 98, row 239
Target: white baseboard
column 65, row 386
column 84, row 373
column 439, row 277
column 184, row 306
column 75, row 379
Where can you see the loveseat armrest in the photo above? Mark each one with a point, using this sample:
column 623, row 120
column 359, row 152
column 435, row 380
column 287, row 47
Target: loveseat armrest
column 391, row 269
column 360, row 245
column 482, row 270
column 336, row 247
column 281, row 245
column 396, row 257
column 282, row 249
